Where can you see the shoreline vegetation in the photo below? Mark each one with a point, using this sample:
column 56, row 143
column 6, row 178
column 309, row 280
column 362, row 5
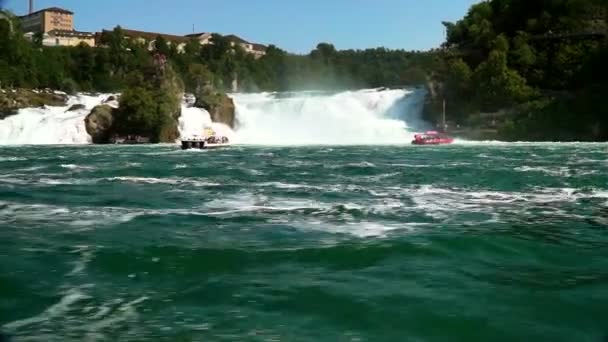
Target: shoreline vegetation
column 526, row 70
column 509, row 70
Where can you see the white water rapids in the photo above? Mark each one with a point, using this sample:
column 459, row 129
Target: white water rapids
column 374, row 116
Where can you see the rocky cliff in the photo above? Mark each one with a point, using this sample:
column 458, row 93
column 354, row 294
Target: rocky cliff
column 219, row 105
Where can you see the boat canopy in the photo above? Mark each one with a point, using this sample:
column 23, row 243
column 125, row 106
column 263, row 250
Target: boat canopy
column 208, row 132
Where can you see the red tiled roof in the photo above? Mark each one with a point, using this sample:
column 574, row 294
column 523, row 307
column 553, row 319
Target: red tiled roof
column 237, row 39
column 196, row 34
column 50, row 9
column 153, row 35
column 259, row 47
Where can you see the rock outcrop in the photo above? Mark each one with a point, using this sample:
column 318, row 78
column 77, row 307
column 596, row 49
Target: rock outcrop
column 219, row 105
column 13, row 100
column 99, row 123
column 149, row 108
column 76, row 107
column 110, row 98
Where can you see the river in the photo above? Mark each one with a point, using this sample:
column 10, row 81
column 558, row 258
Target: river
column 473, row 241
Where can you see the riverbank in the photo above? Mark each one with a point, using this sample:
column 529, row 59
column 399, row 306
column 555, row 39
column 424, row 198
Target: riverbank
column 569, row 117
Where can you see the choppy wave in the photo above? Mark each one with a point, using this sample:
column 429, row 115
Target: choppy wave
column 150, row 243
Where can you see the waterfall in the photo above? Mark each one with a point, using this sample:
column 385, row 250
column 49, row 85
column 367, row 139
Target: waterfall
column 372, row 116
column 362, row 117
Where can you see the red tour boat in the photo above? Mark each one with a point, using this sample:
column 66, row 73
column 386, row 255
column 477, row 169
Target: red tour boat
column 432, row 138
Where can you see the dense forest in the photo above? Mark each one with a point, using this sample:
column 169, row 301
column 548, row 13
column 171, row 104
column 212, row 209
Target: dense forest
column 529, row 69
column 108, row 67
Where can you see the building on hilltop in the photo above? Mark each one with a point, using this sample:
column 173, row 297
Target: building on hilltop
column 257, row 50
column 204, row 38
column 67, row 38
column 149, row 38
column 48, row 19
column 56, row 26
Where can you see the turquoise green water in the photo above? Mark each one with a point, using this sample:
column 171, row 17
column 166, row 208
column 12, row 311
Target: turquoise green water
column 479, row 242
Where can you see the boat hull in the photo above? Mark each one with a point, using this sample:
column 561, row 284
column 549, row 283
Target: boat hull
column 432, row 138
column 433, row 142
column 201, row 145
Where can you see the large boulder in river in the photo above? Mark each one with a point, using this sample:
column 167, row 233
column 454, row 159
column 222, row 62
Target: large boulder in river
column 99, row 123
column 219, row 105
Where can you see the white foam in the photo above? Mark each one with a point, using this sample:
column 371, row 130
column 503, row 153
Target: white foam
column 32, row 168
column 12, row 159
column 338, row 217
column 77, row 167
column 170, row 181
column 442, row 202
column 86, row 255
column 363, row 229
column 247, row 202
column 290, row 186
column 555, row 171
column 69, row 298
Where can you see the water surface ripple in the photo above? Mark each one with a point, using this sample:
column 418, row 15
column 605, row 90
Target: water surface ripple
column 385, row 243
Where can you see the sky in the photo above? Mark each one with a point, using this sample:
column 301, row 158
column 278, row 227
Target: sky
column 296, row 26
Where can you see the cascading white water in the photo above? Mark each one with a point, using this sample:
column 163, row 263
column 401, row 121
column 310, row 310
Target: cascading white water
column 301, row 118
column 49, row 125
column 355, row 117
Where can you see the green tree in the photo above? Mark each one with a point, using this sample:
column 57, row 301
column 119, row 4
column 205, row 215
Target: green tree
column 497, row 85
column 198, row 76
column 138, row 112
column 501, row 43
column 162, row 46
column 523, row 55
column 83, row 58
column 458, row 80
